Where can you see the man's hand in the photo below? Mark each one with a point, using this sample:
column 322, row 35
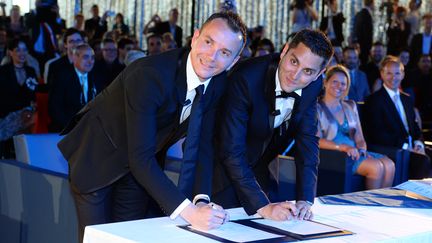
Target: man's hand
column 278, row 211
column 304, row 211
column 204, row 216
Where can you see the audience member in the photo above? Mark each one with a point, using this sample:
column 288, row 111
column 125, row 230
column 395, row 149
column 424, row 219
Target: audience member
column 76, row 88
column 124, row 45
column 339, row 128
column 363, row 30
column 171, row 26
column 56, row 70
column 371, row 69
column 413, row 18
column 15, row 23
column 390, row 119
column 303, row 14
column 3, row 42
column 421, row 43
column 168, row 42
column 151, row 25
column 79, row 22
column 43, row 25
column 398, row 32
column 96, row 26
column 332, row 24
column 359, row 87
column 265, row 47
column 133, row 55
column 154, row 44
column 109, row 67
column 120, row 26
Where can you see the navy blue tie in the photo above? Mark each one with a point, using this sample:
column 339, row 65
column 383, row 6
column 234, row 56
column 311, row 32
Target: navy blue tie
column 191, row 148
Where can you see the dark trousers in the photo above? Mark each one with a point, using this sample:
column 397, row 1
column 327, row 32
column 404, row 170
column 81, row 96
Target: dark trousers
column 123, row 200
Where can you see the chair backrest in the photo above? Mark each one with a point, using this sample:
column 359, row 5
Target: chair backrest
column 335, row 174
column 40, row 150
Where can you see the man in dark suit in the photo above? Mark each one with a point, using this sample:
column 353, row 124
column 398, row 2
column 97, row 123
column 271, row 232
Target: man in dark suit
column 171, row 26
column 390, row 118
column 363, row 30
column 109, row 67
column 359, row 87
column 96, row 26
column 421, row 43
column 259, row 121
column 371, row 69
column 116, row 145
column 71, row 39
column 77, row 85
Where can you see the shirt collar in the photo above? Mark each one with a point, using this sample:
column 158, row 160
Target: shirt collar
column 391, row 92
column 192, row 78
column 279, row 88
column 80, row 74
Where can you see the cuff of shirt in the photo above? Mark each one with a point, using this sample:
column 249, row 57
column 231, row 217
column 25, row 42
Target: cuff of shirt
column 201, row 198
column 418, row 143
column 180, row 208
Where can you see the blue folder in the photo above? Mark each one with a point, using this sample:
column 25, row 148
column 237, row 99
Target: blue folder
column 389, row 197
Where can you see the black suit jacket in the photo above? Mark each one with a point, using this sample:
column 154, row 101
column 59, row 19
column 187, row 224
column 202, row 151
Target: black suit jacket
column 108, row 72
column 95, row 28
column 14, row 97
column 338, row 21
column 248, row 141
column 65, row 96
column 363, row 33
column 417, row 49
column 130, row 125
column 383, row 125
column 164, row 27
column 58, row 68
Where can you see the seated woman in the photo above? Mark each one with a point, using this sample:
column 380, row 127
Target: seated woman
column 339, row 129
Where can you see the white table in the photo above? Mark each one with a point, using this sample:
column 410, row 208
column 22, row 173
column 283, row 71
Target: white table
column 370, row 224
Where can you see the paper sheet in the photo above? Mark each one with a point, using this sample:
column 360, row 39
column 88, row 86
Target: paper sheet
column 301, row 227
column 240, row 233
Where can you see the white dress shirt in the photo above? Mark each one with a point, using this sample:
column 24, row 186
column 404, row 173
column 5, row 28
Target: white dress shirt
column 284, row 105
column 83, row 79
column 193, row 81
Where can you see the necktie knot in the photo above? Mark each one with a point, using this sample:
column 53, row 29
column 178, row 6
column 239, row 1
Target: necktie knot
column 285, row 95
column 199, row 89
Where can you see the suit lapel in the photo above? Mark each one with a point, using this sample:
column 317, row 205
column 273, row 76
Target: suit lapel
column 270, row 94
column 393, row 112
column 181, row 82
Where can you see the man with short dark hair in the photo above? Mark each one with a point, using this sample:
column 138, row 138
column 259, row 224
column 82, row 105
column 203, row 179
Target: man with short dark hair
column 154, row 44
column 109, row 66
column 359, row 87
column 271, row 101
column 421, row 43
column 371, row 69
column 116, row 145
column 71, row 39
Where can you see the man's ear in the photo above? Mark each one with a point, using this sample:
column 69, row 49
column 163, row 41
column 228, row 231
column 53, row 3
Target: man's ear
column 233, row 63
column 284, row 51
column 195, row 36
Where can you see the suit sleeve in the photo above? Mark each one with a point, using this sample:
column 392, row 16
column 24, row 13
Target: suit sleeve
column 233, row 153
column 307, row 154
column 143, row 98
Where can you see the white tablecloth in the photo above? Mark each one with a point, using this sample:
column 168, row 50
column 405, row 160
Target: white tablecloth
column 370, row 224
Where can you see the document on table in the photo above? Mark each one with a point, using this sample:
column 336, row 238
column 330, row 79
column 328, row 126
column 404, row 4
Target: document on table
column 300, row 227
column 238, row 233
